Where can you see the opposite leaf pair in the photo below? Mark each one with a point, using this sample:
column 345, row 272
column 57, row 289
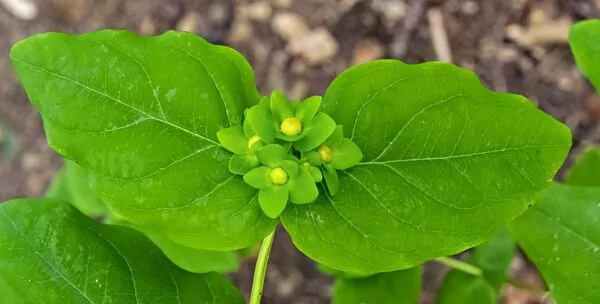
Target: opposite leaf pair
column 281, row 147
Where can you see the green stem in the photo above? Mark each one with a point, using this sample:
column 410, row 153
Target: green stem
column 459, row 265
column 476, row 271
column 261, row 269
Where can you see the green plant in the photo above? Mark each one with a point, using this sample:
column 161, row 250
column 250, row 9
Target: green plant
column 396, row 165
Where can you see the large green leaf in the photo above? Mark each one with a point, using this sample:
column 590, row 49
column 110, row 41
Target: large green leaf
column 584, row 39
column 396, row 287
column 71, row 185
column 51, row 253
column 446, row 164
column 560, row 235
column 586, row 169
column 141, row 114
column 463, row 288
column 493, row 258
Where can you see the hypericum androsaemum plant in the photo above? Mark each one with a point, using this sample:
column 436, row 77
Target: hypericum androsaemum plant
column 395, row 165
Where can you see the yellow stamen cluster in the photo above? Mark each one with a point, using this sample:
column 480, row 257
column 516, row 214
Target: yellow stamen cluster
column 254, row 139
column 325, row 153
column 279, row 176
column 291, row 126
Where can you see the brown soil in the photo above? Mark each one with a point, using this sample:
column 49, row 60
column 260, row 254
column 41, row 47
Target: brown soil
column 513, row 45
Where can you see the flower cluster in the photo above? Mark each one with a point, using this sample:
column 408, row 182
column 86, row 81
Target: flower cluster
column 285, row 148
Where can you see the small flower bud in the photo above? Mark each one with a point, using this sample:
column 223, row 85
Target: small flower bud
column 279, row 176
column 254, row 139
column 325, row 153
column 291, row 126
column 306, row 165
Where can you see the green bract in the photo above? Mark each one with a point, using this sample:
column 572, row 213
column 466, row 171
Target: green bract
column 279, row 179
column 336, row 153
column 298, row 122
column 289, row 129
column 242, row 141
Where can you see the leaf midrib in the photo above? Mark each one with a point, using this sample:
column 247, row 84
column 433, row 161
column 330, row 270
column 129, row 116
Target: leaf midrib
column 566, row 227
column 462, row 155
column 164, row 121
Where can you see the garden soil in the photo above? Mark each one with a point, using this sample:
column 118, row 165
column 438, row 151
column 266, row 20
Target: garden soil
column 299, row 47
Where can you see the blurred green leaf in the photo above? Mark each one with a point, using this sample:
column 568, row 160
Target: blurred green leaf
column 71, row 185
column 560, row 234
column 584, row 38
column 396, row 287
column 585, row 171
column 493, row 258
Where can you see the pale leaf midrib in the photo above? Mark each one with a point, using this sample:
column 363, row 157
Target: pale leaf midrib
column 168, row 123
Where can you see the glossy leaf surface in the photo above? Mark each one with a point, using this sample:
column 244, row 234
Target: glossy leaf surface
column 446, row 164
column 396, row 287
column 51, row 253
column 141, row 115
column 560, row 235
column 71, row 186
column 493, row 258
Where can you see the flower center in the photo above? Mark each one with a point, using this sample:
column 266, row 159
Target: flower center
column 306, row 165
column 291, row 126
column 279, row 176
column 254, row 139
column 325, row 153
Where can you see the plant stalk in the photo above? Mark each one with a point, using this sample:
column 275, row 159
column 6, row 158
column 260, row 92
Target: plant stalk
column 476, row 271
column 459, row 265
column 260, row 269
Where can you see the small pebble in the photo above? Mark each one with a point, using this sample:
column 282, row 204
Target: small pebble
column 392, row 10
column 289, row 26
column 21, row 9
column 191, row 22
column 367, row 50
column 316, row 47
column 30, row 161
column 147, row 26
column 73, row 11
column 241, row 30
column 258, row 11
